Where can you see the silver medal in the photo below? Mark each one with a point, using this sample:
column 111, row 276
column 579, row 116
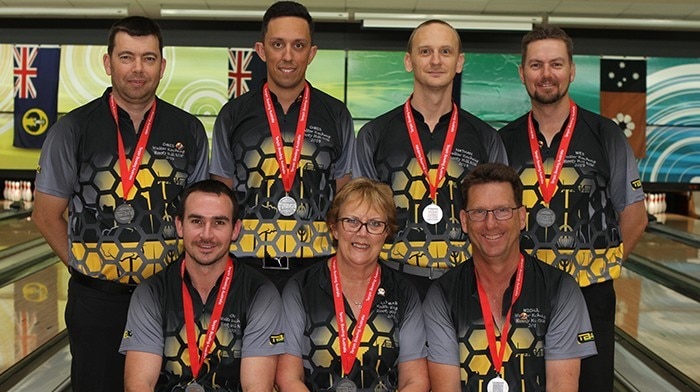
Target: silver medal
column 432, row 214
column 345, row 385
column 287, row 206
column 194, row 387
column 545, row 217
column 497, row 384
column 124, row 213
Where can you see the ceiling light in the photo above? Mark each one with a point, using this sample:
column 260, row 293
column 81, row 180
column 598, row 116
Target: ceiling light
column 238, row 14
column 32, row 12
column 460, row 22
column 625, row 23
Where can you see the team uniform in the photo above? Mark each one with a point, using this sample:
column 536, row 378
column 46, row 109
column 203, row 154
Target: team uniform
column 242, row 149
column 549, row 321
column 394, row 332
column 80, row 162
column 251, row 326
column 385, row 153
column 599, row 179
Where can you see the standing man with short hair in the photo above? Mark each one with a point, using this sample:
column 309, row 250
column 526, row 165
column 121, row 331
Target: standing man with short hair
column 584, row 197
column 285, row 149
column 207, row 322
column 119, row 163
column 503, row 321
column 422, row 150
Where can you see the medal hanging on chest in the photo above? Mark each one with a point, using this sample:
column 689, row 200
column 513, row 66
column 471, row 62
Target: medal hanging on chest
column 497, row 384
column 287, row 206
column 124, row 213
column 196, row 358
column 545, row 216
column 432, row 213
column 345, row 385
column 348, row 350
column 194, row 387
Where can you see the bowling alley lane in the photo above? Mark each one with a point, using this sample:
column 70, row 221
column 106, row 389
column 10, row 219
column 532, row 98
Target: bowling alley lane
column 16, row 227
column 31, row 312
column 662, row 320
column 670, row 253
column 681, row 223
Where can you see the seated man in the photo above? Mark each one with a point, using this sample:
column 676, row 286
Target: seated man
column 207, row 321
column 503, row 321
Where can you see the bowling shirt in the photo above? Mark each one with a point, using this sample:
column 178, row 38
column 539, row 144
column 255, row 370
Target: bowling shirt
column 599, row 179
column 243, row 150
column 385, row 153
column 251, row 326
column 549, row 321
column 394, row 332
column 80, row 162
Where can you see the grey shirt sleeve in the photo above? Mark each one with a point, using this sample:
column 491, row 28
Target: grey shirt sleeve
column 366, row 144
column 144, row 325
column 440, row 331
column 201, row 169
column 294, row 318
column 569, row 320
column 412, row 332
column 222, row 163
column 624, row 172
column 264, row 324
column 58, row 173
column 346, row 163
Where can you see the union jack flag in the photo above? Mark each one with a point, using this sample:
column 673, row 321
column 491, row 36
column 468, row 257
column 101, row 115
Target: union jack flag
column 25, row 71
column 239, row 73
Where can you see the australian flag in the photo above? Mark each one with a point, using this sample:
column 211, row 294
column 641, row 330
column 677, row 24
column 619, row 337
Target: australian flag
column 36, row 93
column 246, row 71
column 623, row 98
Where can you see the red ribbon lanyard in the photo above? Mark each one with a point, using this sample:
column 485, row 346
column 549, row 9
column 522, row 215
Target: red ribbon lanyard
column 349, row 352
column 418, row 147
column 497, row 356
column 129, row 174
column 547, row 188
column 196, row 360
column 287, row 172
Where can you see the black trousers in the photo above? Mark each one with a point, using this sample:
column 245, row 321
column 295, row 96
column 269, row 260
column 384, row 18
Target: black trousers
column 597, row 372
column 95, row 321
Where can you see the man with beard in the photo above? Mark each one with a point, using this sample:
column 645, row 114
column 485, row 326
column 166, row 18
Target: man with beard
column 285, row 149
column 582, row 189
column 206, row 322
column 422, row 150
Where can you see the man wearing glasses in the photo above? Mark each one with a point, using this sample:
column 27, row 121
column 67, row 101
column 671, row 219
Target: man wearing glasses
column 534, row 311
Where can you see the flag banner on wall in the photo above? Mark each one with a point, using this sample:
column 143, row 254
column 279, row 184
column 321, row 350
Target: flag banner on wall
column 36, row 93
column 623, row 88
column 246, row 70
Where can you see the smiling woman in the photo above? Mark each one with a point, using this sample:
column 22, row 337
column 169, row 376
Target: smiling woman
column 353, row 318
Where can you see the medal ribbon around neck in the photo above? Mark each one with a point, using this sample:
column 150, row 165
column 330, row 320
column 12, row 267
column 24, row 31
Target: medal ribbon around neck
column 547, row 188
column 497, row 356
column 287, row 172
column 348, row 353
column 418, row 147
column 196, row 360
column 129, row 174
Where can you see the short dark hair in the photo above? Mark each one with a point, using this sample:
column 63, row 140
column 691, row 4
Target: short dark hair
column 376, row 194
column 135, row 26
column 546, row 31
column 487, row 173
column 208, row 186
column 286, row 8
column 429, row 22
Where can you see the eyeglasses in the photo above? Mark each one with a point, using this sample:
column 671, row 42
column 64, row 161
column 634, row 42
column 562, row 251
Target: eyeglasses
column 352, row 225
column 501, row 213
